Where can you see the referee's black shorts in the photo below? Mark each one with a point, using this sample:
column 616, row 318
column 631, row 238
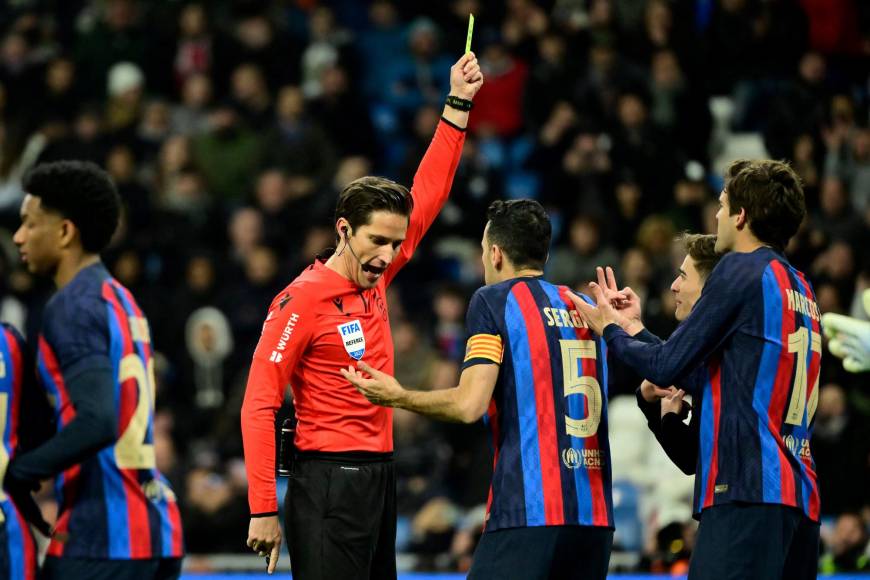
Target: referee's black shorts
column 543, row 553
column 340, row 516
column 758, row 541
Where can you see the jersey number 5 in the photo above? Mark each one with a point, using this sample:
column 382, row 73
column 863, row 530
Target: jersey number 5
column 573, row 352
column 131, row 451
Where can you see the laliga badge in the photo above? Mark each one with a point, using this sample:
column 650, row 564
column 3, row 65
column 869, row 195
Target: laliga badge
column 353, row 338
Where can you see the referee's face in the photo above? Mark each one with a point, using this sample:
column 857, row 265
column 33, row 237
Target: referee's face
column 375, row 246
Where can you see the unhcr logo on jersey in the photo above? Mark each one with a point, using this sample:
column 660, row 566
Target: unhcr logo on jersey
column 798, row 446
column 575, row 458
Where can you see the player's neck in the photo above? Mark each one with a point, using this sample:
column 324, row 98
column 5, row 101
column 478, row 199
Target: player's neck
column 68, row 268
column 521, row 273
column 747, row 243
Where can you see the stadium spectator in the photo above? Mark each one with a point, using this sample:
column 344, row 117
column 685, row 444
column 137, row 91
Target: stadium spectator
column 848, row 546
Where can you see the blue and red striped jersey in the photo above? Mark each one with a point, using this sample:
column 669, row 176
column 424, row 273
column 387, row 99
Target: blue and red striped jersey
column 17, row 544
column 548, row 414
column 115, row 504
column 756, row 336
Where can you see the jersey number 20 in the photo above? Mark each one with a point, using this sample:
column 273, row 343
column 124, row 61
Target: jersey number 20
column 131, row 451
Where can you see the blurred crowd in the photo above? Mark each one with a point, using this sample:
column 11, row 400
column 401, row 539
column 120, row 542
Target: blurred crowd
column 230, row 127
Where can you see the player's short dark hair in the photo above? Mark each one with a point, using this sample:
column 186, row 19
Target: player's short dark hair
column 521, row 228
column 366, row 195
column 772, row 195
column 81, row 192
column 702, row 249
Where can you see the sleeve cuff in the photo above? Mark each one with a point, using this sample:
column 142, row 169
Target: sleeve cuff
column 264, row 515
column 671, row 422
column 652, row 411
column 641, row 402
column 612, row 331
column 647, row 336
column 457, row 127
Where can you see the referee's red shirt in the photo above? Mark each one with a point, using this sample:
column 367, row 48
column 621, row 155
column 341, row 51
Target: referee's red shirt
column 313, row 328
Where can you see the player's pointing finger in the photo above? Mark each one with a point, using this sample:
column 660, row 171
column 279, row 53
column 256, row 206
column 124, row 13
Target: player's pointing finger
column 611, row 279
column 578, row 302
column 598, row 293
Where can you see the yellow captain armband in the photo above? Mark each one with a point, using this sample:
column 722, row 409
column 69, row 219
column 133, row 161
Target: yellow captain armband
column 486, row 346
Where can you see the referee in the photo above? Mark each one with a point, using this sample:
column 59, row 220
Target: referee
column 340, row 507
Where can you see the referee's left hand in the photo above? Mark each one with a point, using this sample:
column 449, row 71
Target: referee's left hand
column 380, row 389
column 264, row 537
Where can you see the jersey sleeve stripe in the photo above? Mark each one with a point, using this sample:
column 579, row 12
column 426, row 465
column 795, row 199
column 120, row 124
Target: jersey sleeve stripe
column 593, row 501
column 547, row 471
column 119, row 493
column 12, row 357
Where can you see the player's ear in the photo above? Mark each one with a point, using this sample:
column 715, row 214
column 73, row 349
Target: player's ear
column 497, row 257
column 68, row 233
column 741, row 221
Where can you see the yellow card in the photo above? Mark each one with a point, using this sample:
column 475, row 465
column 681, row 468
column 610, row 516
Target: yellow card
column 470, row 30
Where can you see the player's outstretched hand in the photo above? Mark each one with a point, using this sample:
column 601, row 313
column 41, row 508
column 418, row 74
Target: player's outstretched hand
column 465, row 77
column 626, row 301
column 597, row 317
column 380, row 389
column 264, row 537
column 849, row 338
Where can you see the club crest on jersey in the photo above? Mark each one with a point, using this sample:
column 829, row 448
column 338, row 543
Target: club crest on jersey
column 352, row 336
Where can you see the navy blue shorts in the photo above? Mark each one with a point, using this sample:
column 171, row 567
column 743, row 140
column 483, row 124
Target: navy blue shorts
column 539, row 553
column 758, row 541
column 92, row 569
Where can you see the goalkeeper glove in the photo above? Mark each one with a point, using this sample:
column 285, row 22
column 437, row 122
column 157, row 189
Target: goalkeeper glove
column 849, row 338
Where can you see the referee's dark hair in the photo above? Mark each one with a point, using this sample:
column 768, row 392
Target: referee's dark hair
column 521, row 228
column 81, row 192
column 366, row 195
